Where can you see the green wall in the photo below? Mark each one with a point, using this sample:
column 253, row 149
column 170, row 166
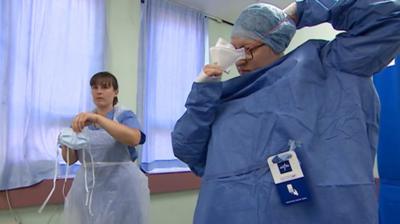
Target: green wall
column 51, row 215
column 171, row 208
column 123, row 27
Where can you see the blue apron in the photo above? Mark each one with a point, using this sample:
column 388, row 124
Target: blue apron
column 109, row 187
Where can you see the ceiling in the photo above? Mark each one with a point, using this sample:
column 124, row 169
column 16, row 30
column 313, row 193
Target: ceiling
column 227, row 10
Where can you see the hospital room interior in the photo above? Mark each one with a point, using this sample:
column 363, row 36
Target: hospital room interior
column 49, row 50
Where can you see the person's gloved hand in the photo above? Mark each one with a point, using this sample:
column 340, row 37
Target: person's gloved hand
column 222, row 55
column 83, row 119
column 210, row 73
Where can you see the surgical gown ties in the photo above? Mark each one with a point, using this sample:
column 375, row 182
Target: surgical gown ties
column 120, row 194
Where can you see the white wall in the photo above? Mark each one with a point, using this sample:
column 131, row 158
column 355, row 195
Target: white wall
column 323, row 31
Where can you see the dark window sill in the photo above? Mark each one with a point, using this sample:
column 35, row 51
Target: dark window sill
column 36, row 194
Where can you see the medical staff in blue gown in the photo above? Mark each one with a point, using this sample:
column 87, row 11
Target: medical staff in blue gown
column 109, row 187
column 320, row 95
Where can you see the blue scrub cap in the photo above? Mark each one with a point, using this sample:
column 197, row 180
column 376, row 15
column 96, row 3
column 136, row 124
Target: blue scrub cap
column 266, row 23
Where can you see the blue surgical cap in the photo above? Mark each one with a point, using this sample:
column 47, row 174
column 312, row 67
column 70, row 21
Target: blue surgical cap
column 266, row 23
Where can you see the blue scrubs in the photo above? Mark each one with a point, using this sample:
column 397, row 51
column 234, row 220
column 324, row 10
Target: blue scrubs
column 388, row 86
column 322, row 95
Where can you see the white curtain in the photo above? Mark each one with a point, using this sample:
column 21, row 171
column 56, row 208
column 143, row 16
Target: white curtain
column 171, row 55
column 48, row 51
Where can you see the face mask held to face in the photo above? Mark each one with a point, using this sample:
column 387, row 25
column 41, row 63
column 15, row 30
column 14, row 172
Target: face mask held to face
column 225, row 55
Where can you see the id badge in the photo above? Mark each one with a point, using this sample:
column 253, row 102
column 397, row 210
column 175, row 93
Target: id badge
column 288, row 178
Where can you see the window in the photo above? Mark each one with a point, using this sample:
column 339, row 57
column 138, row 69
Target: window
column 172, row 54
column 51, row 49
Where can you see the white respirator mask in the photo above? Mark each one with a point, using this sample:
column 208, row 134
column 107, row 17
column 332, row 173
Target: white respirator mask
column 224, row 54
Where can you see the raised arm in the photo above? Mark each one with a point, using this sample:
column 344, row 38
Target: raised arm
column 192, row 131
column 120, row 132
column 372, row 32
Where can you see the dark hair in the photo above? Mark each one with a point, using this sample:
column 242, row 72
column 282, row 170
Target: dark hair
column 107, row 79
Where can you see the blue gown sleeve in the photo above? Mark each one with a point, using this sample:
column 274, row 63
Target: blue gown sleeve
column 128, row 118
column 372, row 32
column 192, row 131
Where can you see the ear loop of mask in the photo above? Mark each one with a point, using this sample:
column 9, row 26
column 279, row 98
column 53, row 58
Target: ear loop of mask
column 89, row 194
column 66, row 175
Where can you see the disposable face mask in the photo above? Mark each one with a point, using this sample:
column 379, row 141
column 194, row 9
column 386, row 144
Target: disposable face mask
column 79, row 141
column 224, row 54
column 72, row 139
column 75, row 141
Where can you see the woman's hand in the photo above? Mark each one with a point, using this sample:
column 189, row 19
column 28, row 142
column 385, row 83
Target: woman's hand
column 212, row 70
column 83, row 119
column 70, row 156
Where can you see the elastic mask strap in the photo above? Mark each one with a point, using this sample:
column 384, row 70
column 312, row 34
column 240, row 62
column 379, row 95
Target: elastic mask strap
column 86, row 184
column 89, row 194
column 66, row 175
column 54, row 183
column 93, row 182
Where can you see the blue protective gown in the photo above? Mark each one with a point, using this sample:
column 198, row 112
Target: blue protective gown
column 322, row 95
